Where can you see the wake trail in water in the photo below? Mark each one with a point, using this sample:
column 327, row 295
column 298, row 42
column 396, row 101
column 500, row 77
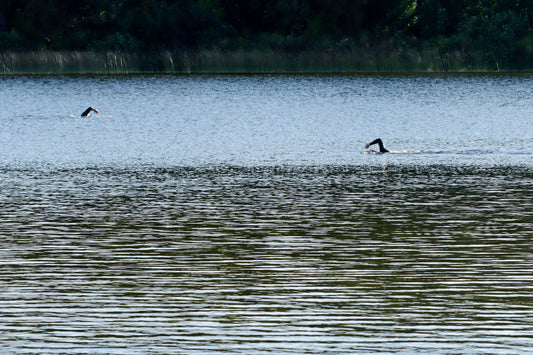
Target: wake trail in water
column 88, row 117
column 394, row 152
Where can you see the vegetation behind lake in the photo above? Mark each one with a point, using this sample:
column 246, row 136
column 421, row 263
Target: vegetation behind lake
column 223, row 36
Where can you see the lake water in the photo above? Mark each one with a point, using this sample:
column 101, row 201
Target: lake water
column 236, row 214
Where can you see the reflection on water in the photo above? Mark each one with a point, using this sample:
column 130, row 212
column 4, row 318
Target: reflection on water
column 202, row 214
column 280, row 259
column 266, row 120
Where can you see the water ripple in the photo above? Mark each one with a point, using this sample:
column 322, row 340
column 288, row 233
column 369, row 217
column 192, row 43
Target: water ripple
column 325, row 259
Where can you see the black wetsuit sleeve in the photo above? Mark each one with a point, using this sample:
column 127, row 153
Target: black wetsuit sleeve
column 379, row 142
column 86, row 112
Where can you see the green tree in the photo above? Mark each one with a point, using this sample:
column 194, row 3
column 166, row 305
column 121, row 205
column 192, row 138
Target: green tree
column 429, row 20
column 499, row 36
column 168, row 24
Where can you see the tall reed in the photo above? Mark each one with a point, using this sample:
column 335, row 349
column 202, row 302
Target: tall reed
column 239, row 61
column 67, row 62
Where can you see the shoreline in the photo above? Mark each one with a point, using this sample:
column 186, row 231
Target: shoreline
column 367, row 61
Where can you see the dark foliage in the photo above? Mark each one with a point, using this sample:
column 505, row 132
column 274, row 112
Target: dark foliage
column 500, row 30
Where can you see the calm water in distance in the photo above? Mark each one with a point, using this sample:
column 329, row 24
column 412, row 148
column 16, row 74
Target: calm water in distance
column 236, row 214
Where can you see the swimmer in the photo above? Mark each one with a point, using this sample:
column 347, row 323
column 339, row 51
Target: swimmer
column 378, row 142
column 86, row 112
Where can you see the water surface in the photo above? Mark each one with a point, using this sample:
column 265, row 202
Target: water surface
column 265, row 120
column 236, row 214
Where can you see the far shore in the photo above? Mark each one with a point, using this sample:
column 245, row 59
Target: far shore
column 246, row 62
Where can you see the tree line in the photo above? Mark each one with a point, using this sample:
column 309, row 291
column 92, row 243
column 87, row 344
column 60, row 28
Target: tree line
column 498, row 30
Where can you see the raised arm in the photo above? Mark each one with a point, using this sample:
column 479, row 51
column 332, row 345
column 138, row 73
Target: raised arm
column 379, row 142
column 86, row 112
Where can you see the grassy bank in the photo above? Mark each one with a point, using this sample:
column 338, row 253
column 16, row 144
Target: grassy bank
column 241, row 61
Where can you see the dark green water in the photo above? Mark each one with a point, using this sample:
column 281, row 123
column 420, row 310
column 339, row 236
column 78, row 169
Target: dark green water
column 236, row 214
column 331, row 259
